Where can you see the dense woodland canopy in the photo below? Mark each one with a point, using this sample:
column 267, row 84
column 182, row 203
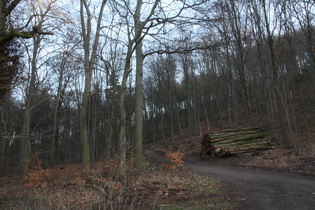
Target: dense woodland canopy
column 98, row 80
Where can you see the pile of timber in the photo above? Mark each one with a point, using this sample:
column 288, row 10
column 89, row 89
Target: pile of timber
column 243, row 140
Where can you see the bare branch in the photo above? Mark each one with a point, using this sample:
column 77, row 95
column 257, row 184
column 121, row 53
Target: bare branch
column 22, row 34
column 11, row 7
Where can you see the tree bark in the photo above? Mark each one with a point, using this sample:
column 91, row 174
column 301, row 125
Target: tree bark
column 139, row 89
column 122, row 146
column 137, row 41
column 3, row 140
column 54, row 147
column 25, row 144
column 89, row 62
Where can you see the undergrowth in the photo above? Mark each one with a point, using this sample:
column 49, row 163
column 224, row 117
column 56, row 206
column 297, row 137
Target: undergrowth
column 65, row 187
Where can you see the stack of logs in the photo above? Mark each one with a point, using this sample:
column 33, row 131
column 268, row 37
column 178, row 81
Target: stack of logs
column 236, row 141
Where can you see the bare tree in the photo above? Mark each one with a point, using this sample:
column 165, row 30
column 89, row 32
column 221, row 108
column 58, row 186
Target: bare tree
column 269, row 28
column 232, row 24
column 145, row 21
column 141, row 28
column 7, row 34
column 136, row 30
column 304, row 15
column 61, row 64
column 40, row 21
column 90, row 47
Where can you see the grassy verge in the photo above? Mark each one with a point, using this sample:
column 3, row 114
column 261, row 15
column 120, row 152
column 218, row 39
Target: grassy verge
column 197, row 192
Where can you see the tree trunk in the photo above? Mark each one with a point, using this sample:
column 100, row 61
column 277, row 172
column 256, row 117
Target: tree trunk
column 84, row 138
column 25, row 144
column 139, row 28
column 271, row 46
column 162, row 124
column 236, row 24
column 139, row 90
column 4, row 124
column 122, row 145
column 275, row 69
column 2, row 154
column 54, row 148
column 89, row 62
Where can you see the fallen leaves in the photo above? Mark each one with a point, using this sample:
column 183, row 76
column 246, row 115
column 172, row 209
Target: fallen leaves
column 36, row 175
column 176, row 160
column 285, row 159
column 66, row 187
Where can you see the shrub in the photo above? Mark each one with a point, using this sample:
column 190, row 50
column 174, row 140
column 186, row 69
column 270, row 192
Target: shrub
column 176, row 160
column 36, row 175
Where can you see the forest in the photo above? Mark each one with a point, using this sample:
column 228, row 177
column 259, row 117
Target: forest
column 96, row 80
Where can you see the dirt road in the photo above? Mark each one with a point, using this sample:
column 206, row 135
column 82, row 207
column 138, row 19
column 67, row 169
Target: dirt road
column 257, row 189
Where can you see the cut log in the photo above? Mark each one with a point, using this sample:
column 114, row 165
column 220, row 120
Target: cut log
column 233, row 139
column 237, row 130
column 253, row 141
column 242, row 140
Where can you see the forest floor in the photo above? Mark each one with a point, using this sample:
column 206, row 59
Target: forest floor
column 166, row 185
column 233, row 182
column 157, row 186
column 169, row 185
column 223, row 183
